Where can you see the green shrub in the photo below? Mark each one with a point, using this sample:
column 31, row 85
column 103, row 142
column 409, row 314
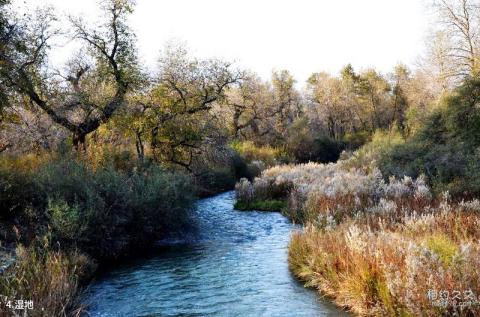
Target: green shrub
column 368, row 154
column 161, row 201
column 307, row 147
column 443, row 247
column 354, row 140
column 66, row 220
column 240, row 167
column 321, row 149
column 17, row 191
column 326, row 150
column 104, row 212
column 446, row 147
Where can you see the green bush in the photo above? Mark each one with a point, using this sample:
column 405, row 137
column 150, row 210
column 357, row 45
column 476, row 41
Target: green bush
column 446, row 148
column 65, row 219
column 381, row 142
column 354, row 140
column 244, row 169
column 321, row 149
column 326, row 150
column 17, row 191
column 104, row 212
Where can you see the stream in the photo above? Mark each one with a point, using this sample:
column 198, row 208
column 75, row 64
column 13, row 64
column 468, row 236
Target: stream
column 235, row 266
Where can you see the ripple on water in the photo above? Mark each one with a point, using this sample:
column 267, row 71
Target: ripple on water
column 236, row 266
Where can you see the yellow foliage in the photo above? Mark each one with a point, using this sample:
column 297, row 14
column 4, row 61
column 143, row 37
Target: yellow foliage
column 441, row 245
column 267, row 154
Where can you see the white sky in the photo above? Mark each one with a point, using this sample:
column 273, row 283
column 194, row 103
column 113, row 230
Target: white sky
column 303, row 36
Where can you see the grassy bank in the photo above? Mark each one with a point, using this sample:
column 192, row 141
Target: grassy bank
column 391, row 229
column 407, row 262
column 65, row 214
column 376, row 246
column 49, row 279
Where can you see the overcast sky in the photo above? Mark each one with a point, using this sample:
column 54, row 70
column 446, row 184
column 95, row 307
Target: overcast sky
column 302, row 36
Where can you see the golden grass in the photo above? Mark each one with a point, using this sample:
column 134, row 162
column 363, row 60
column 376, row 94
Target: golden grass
column 48, row 278
column 251, row 152
column 387, row 266
column 378, row 247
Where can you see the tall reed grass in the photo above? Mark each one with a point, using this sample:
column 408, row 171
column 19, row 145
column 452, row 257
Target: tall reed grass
column 49, row 279
column 376, row 246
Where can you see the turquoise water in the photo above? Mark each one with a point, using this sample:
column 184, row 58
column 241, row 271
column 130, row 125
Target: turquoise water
column 236, row 265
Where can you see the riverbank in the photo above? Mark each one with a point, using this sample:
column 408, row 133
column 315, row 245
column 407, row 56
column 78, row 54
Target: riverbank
column 63, row 228
column 376, row 247
column 241, row 251
column 109, row 209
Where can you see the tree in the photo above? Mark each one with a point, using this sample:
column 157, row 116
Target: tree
column 460, row 22
column 179, row 112
column 328, row 109
column 400, row 80
column 286, row 105
column 249, row 109
column 445, row 147
column 74, row 101
column 439, row 61
column 6, row 34
column 264, row 111
column 375, row 99
column 351, row 89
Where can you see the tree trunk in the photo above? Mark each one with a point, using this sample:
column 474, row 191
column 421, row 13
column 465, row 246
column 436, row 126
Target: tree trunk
column 140, row 147
column 79, row 142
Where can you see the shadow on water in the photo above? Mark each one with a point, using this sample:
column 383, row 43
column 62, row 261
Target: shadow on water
column 236, row 265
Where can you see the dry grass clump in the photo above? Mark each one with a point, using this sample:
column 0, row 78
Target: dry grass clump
column 279, row 181
column 252, row 153
column 378, row 247
column 425, row 264
column 321, row 190
column 48, row 278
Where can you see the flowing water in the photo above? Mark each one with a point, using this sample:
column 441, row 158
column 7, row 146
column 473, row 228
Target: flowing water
column 235, row 266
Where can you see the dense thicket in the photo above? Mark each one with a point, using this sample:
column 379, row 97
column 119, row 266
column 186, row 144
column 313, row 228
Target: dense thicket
column 103, row 211
column 446, row 148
